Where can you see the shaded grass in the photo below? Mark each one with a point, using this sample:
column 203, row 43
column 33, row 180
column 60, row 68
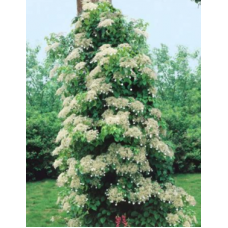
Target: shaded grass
column 41, row 200
column 41, row 205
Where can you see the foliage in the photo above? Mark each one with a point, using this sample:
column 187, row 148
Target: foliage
column 179, row 98
column 111, row 143
column 41, row 201
column 40, row 90
column 41, row 130
column 197, row 1
column 42, row 122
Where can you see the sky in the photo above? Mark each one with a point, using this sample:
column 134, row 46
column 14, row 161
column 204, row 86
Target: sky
column 172, row 22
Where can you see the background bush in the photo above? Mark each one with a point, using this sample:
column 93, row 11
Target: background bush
column 41, row 130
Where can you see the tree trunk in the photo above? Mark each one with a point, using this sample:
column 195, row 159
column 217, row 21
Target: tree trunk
column 79, row 5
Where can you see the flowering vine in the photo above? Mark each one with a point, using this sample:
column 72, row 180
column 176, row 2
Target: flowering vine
column 110, row 143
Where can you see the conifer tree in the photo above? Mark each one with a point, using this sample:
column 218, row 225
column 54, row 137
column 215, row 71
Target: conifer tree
column 113, row 158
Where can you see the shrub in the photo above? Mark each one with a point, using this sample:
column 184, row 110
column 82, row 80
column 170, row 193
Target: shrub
column 112, row 156
column 41, row 130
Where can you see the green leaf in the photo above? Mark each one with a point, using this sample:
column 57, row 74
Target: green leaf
column 103, row 220
column 134, row 214
column 146, row 214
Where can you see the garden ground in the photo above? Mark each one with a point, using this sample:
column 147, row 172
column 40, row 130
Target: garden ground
column 42, row 211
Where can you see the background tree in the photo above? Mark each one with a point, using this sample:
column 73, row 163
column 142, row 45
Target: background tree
column 179, row 98
column 111, row 143
column 42, row 123
column 40, row 89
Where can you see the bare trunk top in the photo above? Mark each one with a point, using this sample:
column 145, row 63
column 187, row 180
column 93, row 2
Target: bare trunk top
column 79, row 5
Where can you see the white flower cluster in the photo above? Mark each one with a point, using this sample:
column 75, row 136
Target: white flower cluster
column 53, row 71
column 119, row 103
column 63, row 133
column 134, row 162
column 78, row 24
column 91, row 135
column 82, row 42
column 53, row 47
column 177, row 196
column 93, row 73
column 80, row 66
column 143, row 60
column 71, row 172
column 121, row 118
column 125, row 45
column 85, row 15
column 64, row 112
column 156, row 112
column 160, row 146
column 117, row 76
column 62, row 179
column 123, row 103
column 141, row 32
column 128, row 63
column 73, row 55
column 151, row 74
column 58, row 163
column 70, row 105
column 80, row 200
column 94, row 167
column 96, row 86
column 74, row 223
column 133, row 132
column 115, row 196
column 89, row 6
column 152, row 127
column 136, row 106
column 104, row 61
column 153, row 91
column 81, row 127
column 105, row 23
column 105, row 50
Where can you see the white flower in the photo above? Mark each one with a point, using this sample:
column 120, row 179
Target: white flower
column 89, row 6
column 105, row 23
column 80, row 66
column 52, row 47
column 141, row 33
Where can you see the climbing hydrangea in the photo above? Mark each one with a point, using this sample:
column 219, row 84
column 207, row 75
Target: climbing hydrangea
column 110, row 144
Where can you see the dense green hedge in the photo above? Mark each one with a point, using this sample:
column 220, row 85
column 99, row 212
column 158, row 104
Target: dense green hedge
column 41, row 130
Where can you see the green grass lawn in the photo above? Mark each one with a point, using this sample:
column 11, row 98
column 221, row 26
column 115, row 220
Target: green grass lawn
column 41, row 200
column 191, row 183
